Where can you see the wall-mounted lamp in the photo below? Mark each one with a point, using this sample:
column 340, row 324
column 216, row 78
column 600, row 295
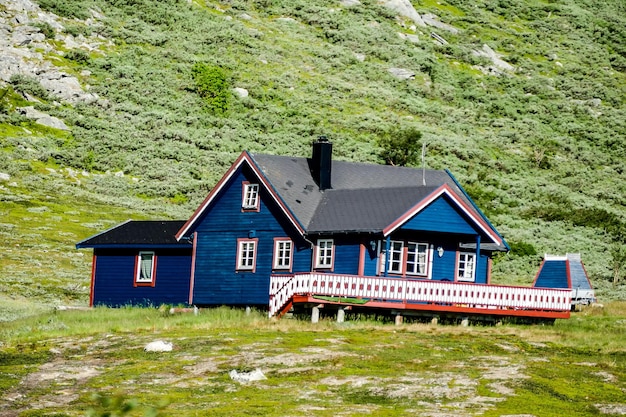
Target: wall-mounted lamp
column 251, row 234
column 373, row 245
column 440, row 251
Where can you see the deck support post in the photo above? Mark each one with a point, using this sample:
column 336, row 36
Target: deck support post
column 315, row 315
column 434, row 321
column 399, row 319
column 341, row 315
column 248, row 310
column 465, row 322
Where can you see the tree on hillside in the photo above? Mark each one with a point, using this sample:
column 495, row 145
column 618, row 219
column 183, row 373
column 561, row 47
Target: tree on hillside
column 401, row 146
column 618, row 256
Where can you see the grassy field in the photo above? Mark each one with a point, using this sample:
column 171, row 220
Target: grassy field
column 75, row 363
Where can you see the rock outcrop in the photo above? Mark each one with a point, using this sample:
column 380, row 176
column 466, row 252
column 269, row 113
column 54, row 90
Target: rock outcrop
column 22, row 39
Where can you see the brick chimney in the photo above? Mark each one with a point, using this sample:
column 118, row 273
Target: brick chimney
column 321, row 162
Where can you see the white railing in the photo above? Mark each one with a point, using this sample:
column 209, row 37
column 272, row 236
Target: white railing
column 283, row 288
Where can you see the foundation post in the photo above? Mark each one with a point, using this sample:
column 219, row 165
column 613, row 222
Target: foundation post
column 315, row 315
column 341, row 315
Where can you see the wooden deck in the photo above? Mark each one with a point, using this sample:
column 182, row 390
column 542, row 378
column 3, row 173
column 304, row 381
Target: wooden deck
column 417, row 295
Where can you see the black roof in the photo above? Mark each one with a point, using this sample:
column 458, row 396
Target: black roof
column 363, row 197
column 364, row 210
column 137, row 232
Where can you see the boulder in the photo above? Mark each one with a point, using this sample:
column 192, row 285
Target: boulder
column 402, row 73
column 404, row 8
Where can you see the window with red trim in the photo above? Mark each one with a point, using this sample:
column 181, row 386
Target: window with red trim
column 145, row 269
column 246, row 254
column 466, row 268
column 250, row 197
column 283, row 253
column 325, row 253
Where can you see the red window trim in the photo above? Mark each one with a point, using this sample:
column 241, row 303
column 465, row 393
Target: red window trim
column 151, row 283
column 254, row 258
column 458, row 264
column 256, row 208
column 274, row 256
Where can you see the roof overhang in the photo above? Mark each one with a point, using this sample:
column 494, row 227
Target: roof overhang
column 244, row 158
column 445, row 190
column 182, row 245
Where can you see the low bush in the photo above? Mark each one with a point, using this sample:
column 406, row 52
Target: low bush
column 29, row 85
column 213, row 85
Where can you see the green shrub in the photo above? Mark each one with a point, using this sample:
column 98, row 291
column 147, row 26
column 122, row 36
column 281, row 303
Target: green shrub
column 46, row 29
column 76, row 29
column 213, row 86
column 522, row 249
column 78, row 55
column 29, row 85
column 69, row 9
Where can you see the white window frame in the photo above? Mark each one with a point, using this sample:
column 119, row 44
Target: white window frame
column 143, row 268
column 396, row 257
column 283, row 253
column 246, row 254
column 466, row 267
column 421, row 258
column 250, row 196
column 325, row 253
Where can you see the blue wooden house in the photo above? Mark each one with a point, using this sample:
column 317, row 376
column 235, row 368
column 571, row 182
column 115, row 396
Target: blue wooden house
column 277, row 230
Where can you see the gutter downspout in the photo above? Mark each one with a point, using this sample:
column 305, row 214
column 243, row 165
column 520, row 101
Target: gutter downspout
column 477, row 256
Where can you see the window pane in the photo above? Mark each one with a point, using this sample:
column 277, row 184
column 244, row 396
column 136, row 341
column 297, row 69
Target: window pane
column 325, row 253
column 395, row 257
column 417, row 258
column 251, row 196
column 282, row 254
column 466, row 266
column 145, row 267
column 246, row 255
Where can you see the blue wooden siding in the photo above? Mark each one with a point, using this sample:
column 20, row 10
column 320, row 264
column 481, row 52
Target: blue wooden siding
column 553, row 274
column 347, row 251
column 115, row 278
column 216, row 279
column 441, row 216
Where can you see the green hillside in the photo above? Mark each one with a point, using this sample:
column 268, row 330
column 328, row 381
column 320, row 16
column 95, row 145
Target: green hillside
column 539, row 141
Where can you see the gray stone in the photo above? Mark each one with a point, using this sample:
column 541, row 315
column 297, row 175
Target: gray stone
column 241, row 92
column 4, row 176
column 401, row 73
column 433, row 20
column 498, row 62
column 43, row 118
column 405, row 9
column 412, row 38
column 53, row 122
column 350, row 3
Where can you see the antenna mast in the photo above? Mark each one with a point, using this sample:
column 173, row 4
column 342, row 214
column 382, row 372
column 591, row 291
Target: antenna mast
column 424, row 164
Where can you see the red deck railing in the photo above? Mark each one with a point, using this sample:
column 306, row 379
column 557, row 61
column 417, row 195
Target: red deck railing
column 403, row 291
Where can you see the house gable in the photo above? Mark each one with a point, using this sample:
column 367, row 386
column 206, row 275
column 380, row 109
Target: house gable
column 244, row 160
column 444, row 211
